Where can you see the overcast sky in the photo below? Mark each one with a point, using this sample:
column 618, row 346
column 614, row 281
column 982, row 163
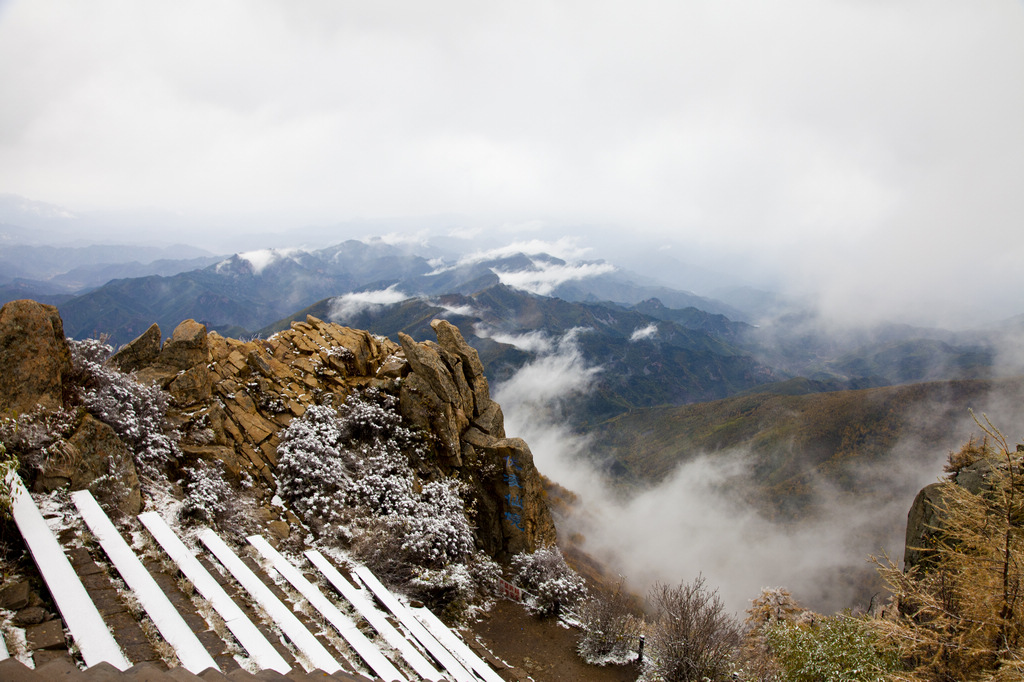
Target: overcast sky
column 873, row 149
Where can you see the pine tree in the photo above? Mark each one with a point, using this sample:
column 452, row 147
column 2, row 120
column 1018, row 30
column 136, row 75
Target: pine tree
column 960, row 613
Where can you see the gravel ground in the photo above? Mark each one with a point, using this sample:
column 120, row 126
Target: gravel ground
column 542, row 648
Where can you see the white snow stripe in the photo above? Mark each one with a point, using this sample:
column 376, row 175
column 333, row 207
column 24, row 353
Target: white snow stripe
column 455, row 644
column 76, row 608
column 190, row 651
column 342, row 623
column 377, row 620
column 315, row 653
column 405, row 617
column 4, row 655
column 262, row 652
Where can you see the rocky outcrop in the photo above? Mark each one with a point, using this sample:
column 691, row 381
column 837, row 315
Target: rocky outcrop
column 34, row 357
column 231, row 398
column 926, row 518
column 447, row 393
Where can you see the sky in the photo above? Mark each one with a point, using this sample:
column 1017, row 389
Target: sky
column 870, row 153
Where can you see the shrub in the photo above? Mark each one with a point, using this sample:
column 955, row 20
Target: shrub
column 692, row 636
column 347, row 472
column 208, row 495
column 837, row 648
column 314, row 466
column 611, row 630
column 545, row 574
column 136, row 412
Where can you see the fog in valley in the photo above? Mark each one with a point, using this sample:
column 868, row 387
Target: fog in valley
column 702, row 520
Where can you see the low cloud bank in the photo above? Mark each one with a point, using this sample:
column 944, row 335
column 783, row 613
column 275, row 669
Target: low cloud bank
column 545, row 277
column 701, row 519
column 347, row 306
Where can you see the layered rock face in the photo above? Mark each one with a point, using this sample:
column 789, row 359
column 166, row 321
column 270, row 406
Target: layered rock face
column 231, row 398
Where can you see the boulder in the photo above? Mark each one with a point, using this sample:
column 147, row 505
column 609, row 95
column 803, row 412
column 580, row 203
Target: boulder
column 924, row 523
column 34, row 356
column 95, row 458
column 140, row 352
column 187, row 347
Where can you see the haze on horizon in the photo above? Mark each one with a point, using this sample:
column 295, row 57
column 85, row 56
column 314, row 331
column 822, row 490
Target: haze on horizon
column 868, row 154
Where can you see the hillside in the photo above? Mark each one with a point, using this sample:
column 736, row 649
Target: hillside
column 798, row 441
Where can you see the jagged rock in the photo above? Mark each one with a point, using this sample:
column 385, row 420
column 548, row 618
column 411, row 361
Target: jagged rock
column 427, row 363
column 140, row 352
column 94, row 458
column 34, row 356
column 424, row 408
column 192, row 386
column 187, row 347
column 451, row 339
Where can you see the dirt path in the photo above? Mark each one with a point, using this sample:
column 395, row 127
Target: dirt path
column 542, row 648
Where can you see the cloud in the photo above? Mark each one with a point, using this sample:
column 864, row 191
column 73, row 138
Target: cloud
column 544, row 277
column 558, row 372
column 642, row 333
column 533, row 342
column 703, row 519
column 348, row 305
column 463, row 310
column 566, row 248
column 260, row 259
column 824, row 140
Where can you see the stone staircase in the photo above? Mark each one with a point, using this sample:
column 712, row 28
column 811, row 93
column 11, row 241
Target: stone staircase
column 138, row 640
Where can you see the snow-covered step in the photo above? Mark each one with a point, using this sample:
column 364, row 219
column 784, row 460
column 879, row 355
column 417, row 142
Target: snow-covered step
column 405, row 617
column 190, row 651
column 454, row 644
column 377, row 620
column 90, row 633
column 314, row 652
column 366, row 649
column 4, row 655
column 260, row 650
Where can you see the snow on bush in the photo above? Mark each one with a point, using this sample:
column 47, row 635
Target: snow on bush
column 208, row 495
column 137, row 412
column 314, row 466
column 552, row 583
column 38, row 437
column 611, row 629
column 347, row 471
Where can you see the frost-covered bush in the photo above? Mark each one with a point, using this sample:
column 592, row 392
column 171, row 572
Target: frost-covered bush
column 38, row 437
column 137, row 412
column 545, row 574
column 208, row 495
column 611, row 629
column 348, row 472
column 692, row 636
column 315, row 466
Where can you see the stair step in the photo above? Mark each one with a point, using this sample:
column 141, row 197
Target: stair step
column 377, row 620
column 366, row 649
column 90, row 633
column 405, row 617
column 206, row 582
column 314, row 652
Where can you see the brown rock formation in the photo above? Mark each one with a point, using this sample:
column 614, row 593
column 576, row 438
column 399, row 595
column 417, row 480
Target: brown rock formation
column 231, row 398
column 34, row 357
column 140, row 352
column 94, row 458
